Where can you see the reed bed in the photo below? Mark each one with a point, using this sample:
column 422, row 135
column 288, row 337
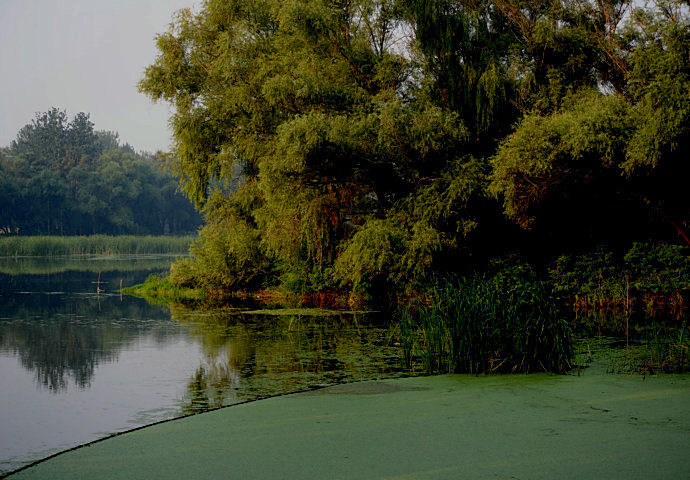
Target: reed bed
column 486, row 324
column 17, row 246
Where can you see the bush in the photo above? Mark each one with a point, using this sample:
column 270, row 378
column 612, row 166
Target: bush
column 226, row 256
column 654, row 277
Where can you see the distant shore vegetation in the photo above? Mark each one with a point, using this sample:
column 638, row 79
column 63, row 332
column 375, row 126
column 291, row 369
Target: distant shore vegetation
column 23, row 246
column 96, row 263
column 62, row 177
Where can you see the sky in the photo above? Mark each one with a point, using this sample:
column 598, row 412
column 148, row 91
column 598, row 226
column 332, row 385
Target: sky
column 83, row 56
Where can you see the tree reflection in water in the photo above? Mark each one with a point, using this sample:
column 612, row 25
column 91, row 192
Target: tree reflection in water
column 65, row 336
column 251, row 356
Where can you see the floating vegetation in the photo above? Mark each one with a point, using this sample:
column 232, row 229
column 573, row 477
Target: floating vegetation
column 159, row 289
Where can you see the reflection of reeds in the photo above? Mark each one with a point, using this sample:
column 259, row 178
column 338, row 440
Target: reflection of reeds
column 83, row 263
column 94, row 244
column 487, row 324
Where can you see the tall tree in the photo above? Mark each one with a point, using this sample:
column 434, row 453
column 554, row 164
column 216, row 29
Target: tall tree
column 351, row 142
column 316, row 102
column 612, row 162
column 60, row 177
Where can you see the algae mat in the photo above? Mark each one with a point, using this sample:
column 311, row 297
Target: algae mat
column 452, row 427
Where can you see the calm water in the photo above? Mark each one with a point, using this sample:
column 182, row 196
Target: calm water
column 77, row 364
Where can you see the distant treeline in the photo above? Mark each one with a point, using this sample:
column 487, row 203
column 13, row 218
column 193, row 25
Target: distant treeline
column 94, row 245
column 61, row 177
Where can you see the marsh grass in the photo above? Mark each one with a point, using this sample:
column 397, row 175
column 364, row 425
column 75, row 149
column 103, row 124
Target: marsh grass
column 17, row 246
column 311, row 312
column 486, row 324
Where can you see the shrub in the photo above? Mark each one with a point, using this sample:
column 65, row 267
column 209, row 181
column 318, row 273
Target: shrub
column 226, row 256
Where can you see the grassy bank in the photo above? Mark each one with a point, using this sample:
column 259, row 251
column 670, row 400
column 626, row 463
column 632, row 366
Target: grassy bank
column 93, row 244
column 159, row 289
column 517, row 317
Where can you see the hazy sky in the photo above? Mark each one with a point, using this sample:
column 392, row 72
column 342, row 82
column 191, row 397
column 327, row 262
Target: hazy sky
column 83, row 56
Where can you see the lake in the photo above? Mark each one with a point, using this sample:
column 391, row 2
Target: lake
column 79, row 361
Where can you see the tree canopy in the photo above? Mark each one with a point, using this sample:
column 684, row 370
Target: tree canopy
column 371, row 144
column 60, row 176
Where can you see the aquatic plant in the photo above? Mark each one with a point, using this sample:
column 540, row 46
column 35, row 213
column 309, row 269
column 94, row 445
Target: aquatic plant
column 508, row 322
column 664, row 349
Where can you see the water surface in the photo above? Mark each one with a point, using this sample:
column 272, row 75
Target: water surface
column 79, row 361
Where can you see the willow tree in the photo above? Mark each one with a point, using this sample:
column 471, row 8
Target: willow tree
column 300, row 127
column 609, row 163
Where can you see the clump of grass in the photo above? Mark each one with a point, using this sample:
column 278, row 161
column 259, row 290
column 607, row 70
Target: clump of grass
column 507, row 322
column 94, row 245
column 158, row 288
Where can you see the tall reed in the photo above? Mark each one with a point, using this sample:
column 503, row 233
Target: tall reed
column 94, row 244
column 482, row 324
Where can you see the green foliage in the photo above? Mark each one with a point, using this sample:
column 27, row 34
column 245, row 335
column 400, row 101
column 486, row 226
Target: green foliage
column 404, row 247
column 374, row 252
column 318, row 109
column 651, row 277
column 659, row 84
column 226, row 256
column 64, row 178
column 161, row 289
column 592, row 281
column 615, row 159
column 573, row 153
column 659, row 268
column 464, row 49
column 368, row 145
column 487, row 324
